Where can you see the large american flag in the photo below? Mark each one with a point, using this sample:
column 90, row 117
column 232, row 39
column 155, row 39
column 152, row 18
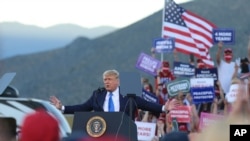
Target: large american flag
column 192, row 33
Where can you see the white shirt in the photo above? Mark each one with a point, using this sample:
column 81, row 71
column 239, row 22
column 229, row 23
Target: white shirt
column 225, row 74
column 115, row 98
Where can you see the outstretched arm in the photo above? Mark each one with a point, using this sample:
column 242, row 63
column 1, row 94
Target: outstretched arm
column 235, row 74
column 218, row 55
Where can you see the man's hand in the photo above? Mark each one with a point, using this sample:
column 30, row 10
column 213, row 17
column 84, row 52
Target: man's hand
column 169, row 105
column 56, row 102
column 237, row 62
column 220, row 45
column 218, row 54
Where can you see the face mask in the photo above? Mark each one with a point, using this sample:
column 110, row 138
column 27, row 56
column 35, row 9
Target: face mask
column 228, row 57
column 200, row 65
column 165, row 70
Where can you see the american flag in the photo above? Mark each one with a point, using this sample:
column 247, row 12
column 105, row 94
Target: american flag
column 192, row 33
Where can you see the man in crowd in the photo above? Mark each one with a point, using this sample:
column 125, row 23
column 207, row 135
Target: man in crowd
column 225, row 67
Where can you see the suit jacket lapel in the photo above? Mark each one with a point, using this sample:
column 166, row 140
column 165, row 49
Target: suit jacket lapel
column 101, row 98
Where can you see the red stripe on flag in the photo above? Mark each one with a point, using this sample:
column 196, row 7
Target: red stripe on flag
column 192, row 33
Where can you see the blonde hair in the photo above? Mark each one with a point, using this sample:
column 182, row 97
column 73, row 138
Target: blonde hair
column 112, row 73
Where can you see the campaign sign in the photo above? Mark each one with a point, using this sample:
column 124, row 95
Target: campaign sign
column 207, row 73
column 148, row 64
column 225, row 35
column 202, row 89
column 184, row 69
column 232, row 94
column 174, row 87
column 208, row 119
column 164, row 80
column 164, row 45
column 181, row 113
column 149, row 96
column 145, row 130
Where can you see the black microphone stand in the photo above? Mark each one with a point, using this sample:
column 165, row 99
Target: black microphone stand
column 131, row 97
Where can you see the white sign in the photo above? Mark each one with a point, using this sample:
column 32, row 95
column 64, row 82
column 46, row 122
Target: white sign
column 232, row 94
column 201, row 82
column 145, row 130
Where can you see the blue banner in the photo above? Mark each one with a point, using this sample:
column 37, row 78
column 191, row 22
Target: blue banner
column 184, row 69
column 202, row 94
column 227, row 36
column 207, row 73
column 149, row 96
column 164, row 45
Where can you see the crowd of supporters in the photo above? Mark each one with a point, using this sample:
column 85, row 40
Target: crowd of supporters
column 230, row 72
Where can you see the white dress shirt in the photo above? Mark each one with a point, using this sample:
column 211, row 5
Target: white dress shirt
column 116, row 101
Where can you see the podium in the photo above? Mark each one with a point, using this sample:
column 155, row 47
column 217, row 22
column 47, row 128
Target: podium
column 97, row 125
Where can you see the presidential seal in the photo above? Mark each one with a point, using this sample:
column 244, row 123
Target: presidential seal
column 96, row 126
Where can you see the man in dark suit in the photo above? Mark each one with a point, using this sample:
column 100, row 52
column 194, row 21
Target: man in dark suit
column 109, row 99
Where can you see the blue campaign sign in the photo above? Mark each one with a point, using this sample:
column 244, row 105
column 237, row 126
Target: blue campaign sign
column 164, row 45
column 202, row 94
column 227, row 36
column 207, row 73
column 149, row 96
column 184, row 69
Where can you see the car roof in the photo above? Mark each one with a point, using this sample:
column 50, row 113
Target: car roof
column 19, row 107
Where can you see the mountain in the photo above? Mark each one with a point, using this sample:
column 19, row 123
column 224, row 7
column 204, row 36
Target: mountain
column 20, row 39
column 74, row 71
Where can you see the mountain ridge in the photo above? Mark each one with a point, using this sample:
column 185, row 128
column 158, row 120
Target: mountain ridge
column 20, row 39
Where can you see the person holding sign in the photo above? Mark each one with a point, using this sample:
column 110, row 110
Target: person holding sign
column 233, row 91
column 225, row 67
column 240, row 115
column 164, row 76
column 200, row 64
column 186, row 115
column 217, row 106
column 147, row 85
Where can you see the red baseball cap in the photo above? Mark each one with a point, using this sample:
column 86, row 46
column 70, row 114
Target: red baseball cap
column 228, row 50
column 40, row 126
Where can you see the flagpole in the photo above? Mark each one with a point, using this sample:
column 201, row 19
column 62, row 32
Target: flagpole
column 162, row 58
column 163, row 11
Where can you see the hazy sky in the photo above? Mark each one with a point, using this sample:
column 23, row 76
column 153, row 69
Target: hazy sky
column 86, row 13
